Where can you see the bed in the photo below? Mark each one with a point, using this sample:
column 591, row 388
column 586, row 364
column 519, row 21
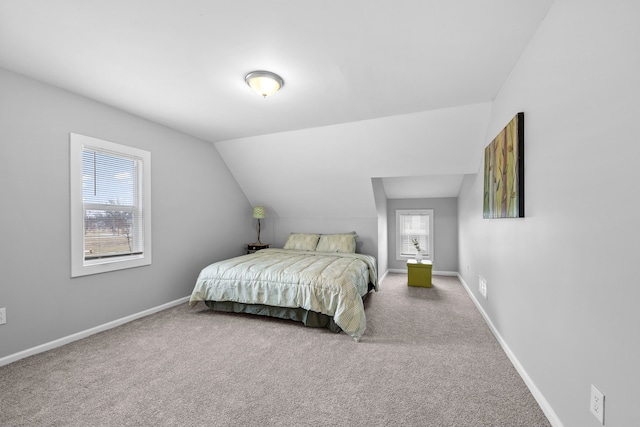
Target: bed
column 316, row 279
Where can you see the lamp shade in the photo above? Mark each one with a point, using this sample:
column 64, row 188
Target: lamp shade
column 258, row 212
column 264, row 83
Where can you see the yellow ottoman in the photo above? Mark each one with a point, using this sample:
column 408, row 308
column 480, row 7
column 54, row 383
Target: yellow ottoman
column 419, row 273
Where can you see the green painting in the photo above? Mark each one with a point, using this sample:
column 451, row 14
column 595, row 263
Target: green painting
column 504, row 172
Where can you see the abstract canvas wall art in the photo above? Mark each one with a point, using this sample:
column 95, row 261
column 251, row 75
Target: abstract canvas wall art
column 504, row 172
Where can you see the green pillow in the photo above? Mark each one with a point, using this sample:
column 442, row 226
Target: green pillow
column 302, row 241
column 337, row 243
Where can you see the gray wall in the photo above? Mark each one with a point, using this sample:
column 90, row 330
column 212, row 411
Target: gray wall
column 563, row 283
column 199, row 215
column 445, row 230
column 383, row 226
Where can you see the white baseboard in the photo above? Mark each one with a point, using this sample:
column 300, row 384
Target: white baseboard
column 434, row 273
column 537, row 394
column 83, row 334
column 381, row 278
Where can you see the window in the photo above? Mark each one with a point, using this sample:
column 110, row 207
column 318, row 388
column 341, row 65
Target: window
column 414, row 224
column 110, row 206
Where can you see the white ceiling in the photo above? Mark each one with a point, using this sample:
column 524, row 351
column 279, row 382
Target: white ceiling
column 182, row 64
column 414, row 187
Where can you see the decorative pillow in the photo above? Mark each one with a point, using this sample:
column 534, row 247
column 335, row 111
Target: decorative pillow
column 337, row 243
column 302, row 241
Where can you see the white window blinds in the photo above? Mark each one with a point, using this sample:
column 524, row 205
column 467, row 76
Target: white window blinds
column 112, row 204
column 414, row 224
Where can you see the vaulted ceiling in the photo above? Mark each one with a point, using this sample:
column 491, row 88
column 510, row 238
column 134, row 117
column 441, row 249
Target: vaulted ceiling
column 182, row 64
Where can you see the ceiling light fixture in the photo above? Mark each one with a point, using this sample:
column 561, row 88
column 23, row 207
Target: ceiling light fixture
column 264, row 83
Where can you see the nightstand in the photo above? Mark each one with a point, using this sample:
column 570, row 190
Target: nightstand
column 419, row 273
column 253, row 247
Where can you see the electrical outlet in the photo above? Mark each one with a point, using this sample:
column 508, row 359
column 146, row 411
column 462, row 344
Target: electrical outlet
column 597, row 404
column 482, row 286
column 3, row 316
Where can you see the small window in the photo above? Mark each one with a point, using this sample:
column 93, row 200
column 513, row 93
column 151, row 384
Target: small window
column 414, row 224
column 110, row 206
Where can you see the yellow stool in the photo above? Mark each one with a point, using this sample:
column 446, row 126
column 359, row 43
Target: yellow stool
column 419, row 273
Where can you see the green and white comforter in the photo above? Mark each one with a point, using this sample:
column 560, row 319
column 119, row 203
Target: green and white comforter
column 328, row 283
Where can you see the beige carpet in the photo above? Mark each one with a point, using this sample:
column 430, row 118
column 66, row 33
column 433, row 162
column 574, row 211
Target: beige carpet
column 426, row 359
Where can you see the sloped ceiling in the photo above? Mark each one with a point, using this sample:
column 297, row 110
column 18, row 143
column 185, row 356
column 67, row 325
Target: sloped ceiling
column 182, row 64
column 327, row 171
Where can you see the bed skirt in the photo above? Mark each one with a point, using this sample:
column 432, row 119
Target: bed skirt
column 307, row 317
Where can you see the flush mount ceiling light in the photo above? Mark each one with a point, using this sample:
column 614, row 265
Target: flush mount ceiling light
column 264, row 83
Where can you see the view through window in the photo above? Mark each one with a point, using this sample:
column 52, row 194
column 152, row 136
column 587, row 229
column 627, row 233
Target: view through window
column 112, row 204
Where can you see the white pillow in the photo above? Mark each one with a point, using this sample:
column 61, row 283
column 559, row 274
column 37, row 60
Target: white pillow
column 302, row 241
column 337, row 243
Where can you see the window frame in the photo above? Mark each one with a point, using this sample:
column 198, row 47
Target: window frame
column 399, row 213
column 79, row 265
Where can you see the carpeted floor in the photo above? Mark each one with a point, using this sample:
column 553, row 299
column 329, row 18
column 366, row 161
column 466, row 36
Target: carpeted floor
column 426, row 359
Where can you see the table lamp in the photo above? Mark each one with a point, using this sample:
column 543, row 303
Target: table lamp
column 258, row 213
